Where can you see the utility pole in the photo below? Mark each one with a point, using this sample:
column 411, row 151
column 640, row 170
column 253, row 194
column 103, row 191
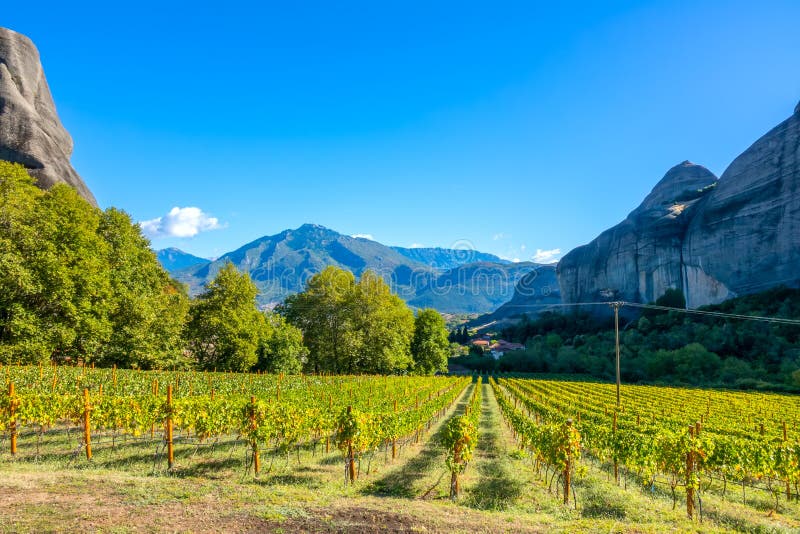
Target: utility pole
column 616, row 306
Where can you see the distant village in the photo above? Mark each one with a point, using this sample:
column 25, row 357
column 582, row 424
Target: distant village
column 496, row 348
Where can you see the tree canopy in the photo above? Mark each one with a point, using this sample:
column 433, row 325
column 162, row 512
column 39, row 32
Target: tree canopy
column 430, row 346
column 77, row 283
column 352, row 327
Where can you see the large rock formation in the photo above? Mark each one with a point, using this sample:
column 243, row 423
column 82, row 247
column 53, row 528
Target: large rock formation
column 641, row 257
column 746, row 236
column 30, row 131
column 712, row 239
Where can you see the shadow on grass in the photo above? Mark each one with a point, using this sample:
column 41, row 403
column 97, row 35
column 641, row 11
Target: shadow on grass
column 496, row 488
column 305, row 481
column 212, row 469
column 400, row 482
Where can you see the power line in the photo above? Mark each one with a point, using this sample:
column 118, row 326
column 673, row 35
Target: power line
column 759, row 318
column 777, row 320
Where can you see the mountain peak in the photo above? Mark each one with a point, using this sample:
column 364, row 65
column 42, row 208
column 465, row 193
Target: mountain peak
column 447, row 280
column 684, row 182
column 313, row 226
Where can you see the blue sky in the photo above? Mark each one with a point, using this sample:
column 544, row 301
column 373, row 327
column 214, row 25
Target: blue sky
column 514, row 126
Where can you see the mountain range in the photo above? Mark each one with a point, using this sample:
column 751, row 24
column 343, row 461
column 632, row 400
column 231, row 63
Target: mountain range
column 174, row 259
column 449, row 280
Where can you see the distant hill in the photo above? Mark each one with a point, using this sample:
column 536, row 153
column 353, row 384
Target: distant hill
column 447, row 258
column 281, row 264
column 533, row 294
column 472, row 288
column 174, row 259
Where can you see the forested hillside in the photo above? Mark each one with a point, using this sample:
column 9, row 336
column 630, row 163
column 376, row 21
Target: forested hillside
column 672, row 346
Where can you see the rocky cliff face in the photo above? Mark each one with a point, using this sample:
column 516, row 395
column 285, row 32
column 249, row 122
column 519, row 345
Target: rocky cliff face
column 746, row 236
column 30, row 131
column 713, row 239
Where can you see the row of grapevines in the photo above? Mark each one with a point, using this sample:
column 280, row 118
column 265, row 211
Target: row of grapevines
column 460, row 436
column 651, row 444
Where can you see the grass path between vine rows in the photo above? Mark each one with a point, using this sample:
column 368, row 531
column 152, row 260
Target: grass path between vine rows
column 424, row 474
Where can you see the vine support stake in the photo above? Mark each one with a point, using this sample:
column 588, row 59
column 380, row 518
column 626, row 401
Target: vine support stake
column 254, row 426
column 170, row 451
column 13, row 418
column 394, row 439
column 617, row 306
column 351, row 460
column 87, row 429
column 568, row 465
column 454, row 486
column 616, row 462
column 689, row 472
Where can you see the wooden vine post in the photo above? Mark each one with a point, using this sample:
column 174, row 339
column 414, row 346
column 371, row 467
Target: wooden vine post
column 155, row 394
column 170, row 451
column 416, row 438
column 454, row 473
column 253, row 427
column 87, row 429
column 788, row 484
column 328, row 436
column 568, row 464
column 394, row 439
column 689, row 471
column 12, row 427
column 616, row 462
column 351, row 460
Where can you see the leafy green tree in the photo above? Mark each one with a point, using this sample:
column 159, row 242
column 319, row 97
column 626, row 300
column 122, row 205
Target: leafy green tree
column 464, row 335
column 672, row 298
column 55, row 283
column 148, row 309
column 80, row 284
column 324, row 313
column 20, row 326
column 351, row 327
column 385, row 326
column 429, row 347
column 225, row 329
column 281, row 349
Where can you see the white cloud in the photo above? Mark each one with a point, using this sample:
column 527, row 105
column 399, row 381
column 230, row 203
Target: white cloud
column 363, row 236
column 546, row 256
column 501, row 235
column 180, row 222
column 417, row 245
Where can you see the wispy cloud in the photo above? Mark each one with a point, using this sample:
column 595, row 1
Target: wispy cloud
column 180, row 222
column 417, row 245
column 546, row 256
column 499, row 236
column 363, row 236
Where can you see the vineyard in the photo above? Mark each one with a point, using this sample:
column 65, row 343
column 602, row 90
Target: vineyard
column 665, row 457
